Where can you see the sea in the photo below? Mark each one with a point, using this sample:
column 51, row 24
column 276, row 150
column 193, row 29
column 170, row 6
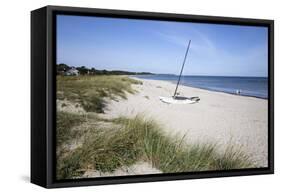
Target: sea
column 247, row 86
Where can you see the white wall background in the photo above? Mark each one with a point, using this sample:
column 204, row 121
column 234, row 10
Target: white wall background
column 15, row 94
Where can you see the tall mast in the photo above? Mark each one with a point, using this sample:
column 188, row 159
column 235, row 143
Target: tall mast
column 182, row 67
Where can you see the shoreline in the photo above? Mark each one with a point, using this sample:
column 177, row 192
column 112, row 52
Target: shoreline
column 208, row 89
column 200, row 88
column 219, row 117
column 213, row 90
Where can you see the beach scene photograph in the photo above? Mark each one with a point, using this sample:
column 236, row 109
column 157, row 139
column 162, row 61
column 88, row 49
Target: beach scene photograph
column 142, row 97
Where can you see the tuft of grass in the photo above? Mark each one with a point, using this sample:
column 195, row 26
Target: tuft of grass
column 130, row 140
column 103, row 150
column 91, row 91
column 65, row 124
column 232, row 158
column 171, row 154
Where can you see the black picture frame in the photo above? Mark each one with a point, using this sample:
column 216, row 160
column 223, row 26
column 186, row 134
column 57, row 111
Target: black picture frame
column 43, row 95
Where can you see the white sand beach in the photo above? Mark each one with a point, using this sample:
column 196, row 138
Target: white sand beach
column 220, row 118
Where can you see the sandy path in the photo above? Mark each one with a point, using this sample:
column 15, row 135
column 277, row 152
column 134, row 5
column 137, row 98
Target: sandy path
column 219, row 117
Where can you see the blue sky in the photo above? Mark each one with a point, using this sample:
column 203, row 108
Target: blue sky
column 159, row 46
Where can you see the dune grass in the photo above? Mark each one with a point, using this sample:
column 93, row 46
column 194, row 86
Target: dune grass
column 108, row 144
column 91, row 91
column 66, row 121
column 138, row 139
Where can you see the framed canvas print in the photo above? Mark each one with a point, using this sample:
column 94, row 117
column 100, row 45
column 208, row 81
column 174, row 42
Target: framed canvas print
column 125, row 96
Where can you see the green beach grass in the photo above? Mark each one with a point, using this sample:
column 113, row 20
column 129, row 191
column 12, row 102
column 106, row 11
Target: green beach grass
column 91, row 91
column 108, row 144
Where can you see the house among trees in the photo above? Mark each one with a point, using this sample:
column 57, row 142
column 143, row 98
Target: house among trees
column 72, row 71
column 63, row 69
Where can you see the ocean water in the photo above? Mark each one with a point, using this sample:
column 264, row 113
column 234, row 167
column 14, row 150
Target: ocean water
column 248, row 86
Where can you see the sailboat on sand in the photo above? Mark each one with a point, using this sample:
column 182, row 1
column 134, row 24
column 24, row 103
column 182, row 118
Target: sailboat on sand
column 176, row 98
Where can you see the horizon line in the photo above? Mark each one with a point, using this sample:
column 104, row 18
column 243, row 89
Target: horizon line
column 167, row 73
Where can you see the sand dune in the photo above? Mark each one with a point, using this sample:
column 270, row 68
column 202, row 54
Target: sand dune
column 218, row 118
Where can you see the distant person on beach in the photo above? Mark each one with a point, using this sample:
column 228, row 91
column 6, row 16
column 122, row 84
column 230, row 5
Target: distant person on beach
column 238, row 92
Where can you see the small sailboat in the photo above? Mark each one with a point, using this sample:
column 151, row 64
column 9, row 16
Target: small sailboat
column 176, row 99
